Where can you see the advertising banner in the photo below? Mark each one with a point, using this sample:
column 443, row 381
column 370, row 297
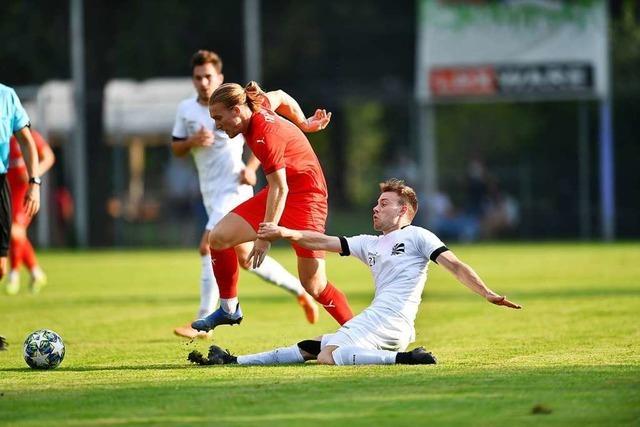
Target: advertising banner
column 519, row 49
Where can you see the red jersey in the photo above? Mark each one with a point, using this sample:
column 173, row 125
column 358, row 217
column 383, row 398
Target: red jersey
column 18, row 174
column 278, row 144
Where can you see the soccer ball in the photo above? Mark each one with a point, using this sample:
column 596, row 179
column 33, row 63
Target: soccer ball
column 43, row 349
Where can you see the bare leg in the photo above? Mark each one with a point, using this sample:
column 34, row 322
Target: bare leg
column 231, row 231
column 313, row 276
column 271, row 271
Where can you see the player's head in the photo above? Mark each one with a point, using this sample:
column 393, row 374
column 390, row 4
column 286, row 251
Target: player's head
column 396, row 207
column 231, row 106
column 207, row 74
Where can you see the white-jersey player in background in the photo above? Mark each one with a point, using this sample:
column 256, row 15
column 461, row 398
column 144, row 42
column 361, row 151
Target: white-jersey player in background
column 225, row 182
column 398, row 260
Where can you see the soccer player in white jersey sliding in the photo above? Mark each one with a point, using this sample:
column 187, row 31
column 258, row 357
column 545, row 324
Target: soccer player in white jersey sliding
column 225, row 181
column 398, row 259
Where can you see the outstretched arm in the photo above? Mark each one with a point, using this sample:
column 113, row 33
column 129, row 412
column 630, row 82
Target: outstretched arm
column 471, row 280
column 308, row 239
column 283, row 104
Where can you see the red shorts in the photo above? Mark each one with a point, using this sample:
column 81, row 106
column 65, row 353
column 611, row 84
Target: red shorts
column 18, row 214
column 301, row 212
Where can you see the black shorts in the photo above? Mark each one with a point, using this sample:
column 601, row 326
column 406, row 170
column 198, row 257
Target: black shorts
column 5, row 215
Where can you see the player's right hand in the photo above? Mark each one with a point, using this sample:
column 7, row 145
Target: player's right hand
column 203, row 138
column 269, row 231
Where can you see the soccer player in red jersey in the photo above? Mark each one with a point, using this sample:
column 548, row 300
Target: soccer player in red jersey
column 295, row 196
column 20, row 248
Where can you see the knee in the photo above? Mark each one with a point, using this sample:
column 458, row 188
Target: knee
column 17, row 232
column 218, row 241
column 326, row 358
column 204, row 249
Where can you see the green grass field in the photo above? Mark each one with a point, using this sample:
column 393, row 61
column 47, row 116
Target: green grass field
column 573, row 352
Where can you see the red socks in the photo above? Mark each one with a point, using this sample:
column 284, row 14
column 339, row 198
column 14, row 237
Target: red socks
column 226, row 270
column 21, row 250
column 28, row 254
column 336, row 304
column 16, row 253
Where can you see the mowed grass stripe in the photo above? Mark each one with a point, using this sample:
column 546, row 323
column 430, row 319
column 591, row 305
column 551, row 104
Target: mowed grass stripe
column 571, row 355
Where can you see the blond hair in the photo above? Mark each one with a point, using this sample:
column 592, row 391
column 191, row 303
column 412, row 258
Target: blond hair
column 407, row 194
column 232, row 94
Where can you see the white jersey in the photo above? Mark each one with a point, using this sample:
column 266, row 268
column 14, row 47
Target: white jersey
column 398, row 263
column 218, row 166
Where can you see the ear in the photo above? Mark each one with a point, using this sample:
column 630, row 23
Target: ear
column 221, row 78
column 235, row 109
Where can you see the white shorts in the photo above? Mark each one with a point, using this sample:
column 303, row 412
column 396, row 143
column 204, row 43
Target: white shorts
column 221, row 203
column 374, row 330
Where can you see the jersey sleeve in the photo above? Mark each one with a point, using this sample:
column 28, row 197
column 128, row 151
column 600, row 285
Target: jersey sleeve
column 179, row 128
column 267, row 146
column 430, row 245
column 357, row 246
column 20, row 117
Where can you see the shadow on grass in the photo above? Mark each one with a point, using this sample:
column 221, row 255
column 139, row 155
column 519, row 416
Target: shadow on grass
column 359, row 396
column 141, row 367
column 164, row 300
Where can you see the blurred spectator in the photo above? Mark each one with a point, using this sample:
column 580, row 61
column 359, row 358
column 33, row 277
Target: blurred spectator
column 64, row 211
column 444, row 220
column 403, row 167
column 502, row 213
column 183, row 202
column 477, row 188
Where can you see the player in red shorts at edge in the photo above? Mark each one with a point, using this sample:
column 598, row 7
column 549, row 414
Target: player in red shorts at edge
column 20, row 248
column 295, row 196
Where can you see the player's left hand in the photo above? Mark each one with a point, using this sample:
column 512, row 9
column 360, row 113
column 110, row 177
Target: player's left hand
column 248, row 176
column 259, row 251
column 502, row 300
column 317, row 122
column 32, row 200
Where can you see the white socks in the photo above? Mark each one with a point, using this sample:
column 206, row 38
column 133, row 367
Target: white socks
column 351, row 355
column 278, row 356
column 209, row 293
column 14, row 276
column 271, row 271
column 229, row 304
column 36, row 272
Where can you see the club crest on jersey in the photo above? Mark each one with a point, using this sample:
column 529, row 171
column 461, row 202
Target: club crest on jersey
column 398, row 249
